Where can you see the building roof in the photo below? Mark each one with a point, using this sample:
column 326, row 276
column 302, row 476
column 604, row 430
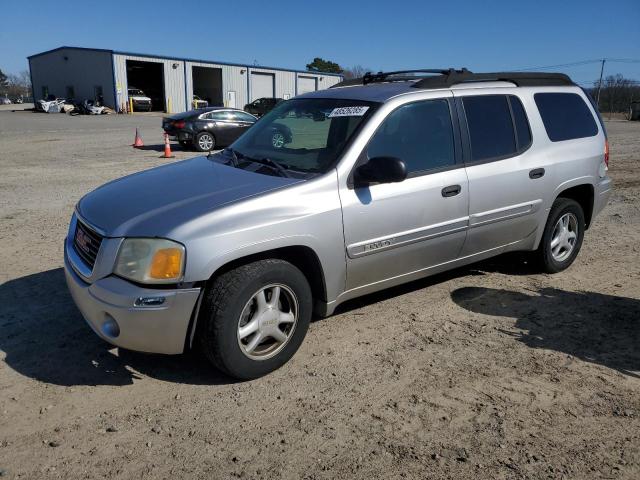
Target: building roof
column 181, row 59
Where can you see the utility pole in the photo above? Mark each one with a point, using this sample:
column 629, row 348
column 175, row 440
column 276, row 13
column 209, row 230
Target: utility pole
column 600, row 82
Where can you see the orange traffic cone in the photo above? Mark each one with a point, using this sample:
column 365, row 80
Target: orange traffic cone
column 167, row 148
column 137, row 143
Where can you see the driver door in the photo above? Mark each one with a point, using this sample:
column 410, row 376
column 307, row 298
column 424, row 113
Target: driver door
column 395, row 230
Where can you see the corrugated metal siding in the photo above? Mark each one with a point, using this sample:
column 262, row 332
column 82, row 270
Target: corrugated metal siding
column 233, row 79
column 83, row 70
column 323, row 81
column 330, row 81
column 285, row 82
column 174, row 80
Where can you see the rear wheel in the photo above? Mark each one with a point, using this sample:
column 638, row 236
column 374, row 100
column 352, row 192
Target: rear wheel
column 204, row 142
column 255, row 317
column 563, row 235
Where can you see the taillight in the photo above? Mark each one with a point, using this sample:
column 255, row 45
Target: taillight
column 179, row 124
column 606, row 153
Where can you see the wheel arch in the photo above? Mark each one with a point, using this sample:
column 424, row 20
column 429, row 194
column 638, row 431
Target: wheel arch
column 583, row 194
column 301, row 256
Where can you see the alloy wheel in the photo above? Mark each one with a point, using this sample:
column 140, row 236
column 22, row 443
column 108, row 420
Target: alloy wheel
column 267, row 322
column 564, row 237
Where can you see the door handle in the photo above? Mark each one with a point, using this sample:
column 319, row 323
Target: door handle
column 536, row 173
column 451, row 190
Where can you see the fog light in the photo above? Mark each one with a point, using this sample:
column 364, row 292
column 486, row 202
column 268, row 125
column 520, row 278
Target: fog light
column 110, row 327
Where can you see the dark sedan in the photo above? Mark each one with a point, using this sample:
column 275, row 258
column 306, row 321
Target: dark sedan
column 207, row 129
column 261, row 106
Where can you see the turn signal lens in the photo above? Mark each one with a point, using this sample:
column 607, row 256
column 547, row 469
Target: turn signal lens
column 166, row 264
column 606, row 153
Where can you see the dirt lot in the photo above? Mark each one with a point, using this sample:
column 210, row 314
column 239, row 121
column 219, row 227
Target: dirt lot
column 493, row 371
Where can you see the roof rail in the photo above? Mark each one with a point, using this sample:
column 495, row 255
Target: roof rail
column 396, row 76
column 521, row 79
column 444, row 78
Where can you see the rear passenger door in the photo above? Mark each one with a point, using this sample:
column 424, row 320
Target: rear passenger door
column 507, row 179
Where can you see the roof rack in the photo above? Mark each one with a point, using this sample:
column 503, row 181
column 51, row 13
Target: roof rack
column 396, row 76
column 444, row 78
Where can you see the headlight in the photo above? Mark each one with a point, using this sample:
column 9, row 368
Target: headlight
column 150, row 260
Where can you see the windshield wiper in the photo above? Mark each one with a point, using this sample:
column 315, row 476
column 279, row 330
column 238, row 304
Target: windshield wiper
column 234, row 156
column 267, row 162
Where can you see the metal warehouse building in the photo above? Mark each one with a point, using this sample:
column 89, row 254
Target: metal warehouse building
column 89, row 73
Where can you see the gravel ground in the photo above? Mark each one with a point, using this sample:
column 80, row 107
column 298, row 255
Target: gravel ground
column 491, row 371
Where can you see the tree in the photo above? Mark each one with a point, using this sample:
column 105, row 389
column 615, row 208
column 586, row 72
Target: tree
column 19, row 85
column 322, row 65
column 617, row 93
column 357, row 71
column 4, row 83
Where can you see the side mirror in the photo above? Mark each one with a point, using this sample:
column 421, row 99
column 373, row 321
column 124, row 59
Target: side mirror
column 380, row 170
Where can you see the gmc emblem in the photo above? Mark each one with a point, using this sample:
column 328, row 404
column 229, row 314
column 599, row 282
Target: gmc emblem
column 83, row 240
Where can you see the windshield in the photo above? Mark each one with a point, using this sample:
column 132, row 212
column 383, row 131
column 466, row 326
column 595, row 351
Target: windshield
column 306, row 135
column 135, row 91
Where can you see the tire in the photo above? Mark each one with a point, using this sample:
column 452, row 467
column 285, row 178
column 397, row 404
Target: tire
column 556, row 258
column 233, row 303
column 202, row 144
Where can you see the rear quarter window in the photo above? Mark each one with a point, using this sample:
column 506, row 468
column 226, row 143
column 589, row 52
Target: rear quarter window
column 566, row 116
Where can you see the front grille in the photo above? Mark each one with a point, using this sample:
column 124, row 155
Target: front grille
column 86, row 243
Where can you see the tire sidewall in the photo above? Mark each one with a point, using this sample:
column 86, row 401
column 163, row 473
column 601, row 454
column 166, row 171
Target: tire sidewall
column 234, row 361
column 560, row 208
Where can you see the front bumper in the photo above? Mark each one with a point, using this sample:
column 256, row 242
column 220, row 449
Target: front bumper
column 108, row 306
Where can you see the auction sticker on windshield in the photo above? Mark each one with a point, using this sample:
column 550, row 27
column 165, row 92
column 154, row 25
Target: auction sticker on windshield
column 348, row 111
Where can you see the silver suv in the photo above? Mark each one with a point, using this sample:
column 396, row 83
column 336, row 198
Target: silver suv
column 379, row 181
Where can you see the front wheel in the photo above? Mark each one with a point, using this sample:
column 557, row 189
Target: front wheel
column 255, row 317
column 204, row 142
column 563, row 235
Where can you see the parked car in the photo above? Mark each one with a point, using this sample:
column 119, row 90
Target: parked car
column 140, row 101
column 391, row 179
column 261, row 106
column 207, row 129
column 5, row 101
column 199, row 102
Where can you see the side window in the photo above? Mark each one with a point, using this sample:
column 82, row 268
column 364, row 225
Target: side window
column 243, row 117
column 490, row 127
column 219, row 116
column 420, row 134
column 523, row 131
column 565, row 116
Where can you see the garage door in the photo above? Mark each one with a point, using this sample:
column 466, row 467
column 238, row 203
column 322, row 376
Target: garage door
column 307, row 84
column 262, row 85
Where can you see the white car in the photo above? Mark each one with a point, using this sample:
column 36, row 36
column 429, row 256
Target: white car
column 140, row 102
column 5, row 101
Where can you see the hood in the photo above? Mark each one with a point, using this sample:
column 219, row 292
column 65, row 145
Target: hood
column 154, row 202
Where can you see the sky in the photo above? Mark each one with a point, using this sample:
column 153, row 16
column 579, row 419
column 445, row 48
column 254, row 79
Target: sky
column 379, row 35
